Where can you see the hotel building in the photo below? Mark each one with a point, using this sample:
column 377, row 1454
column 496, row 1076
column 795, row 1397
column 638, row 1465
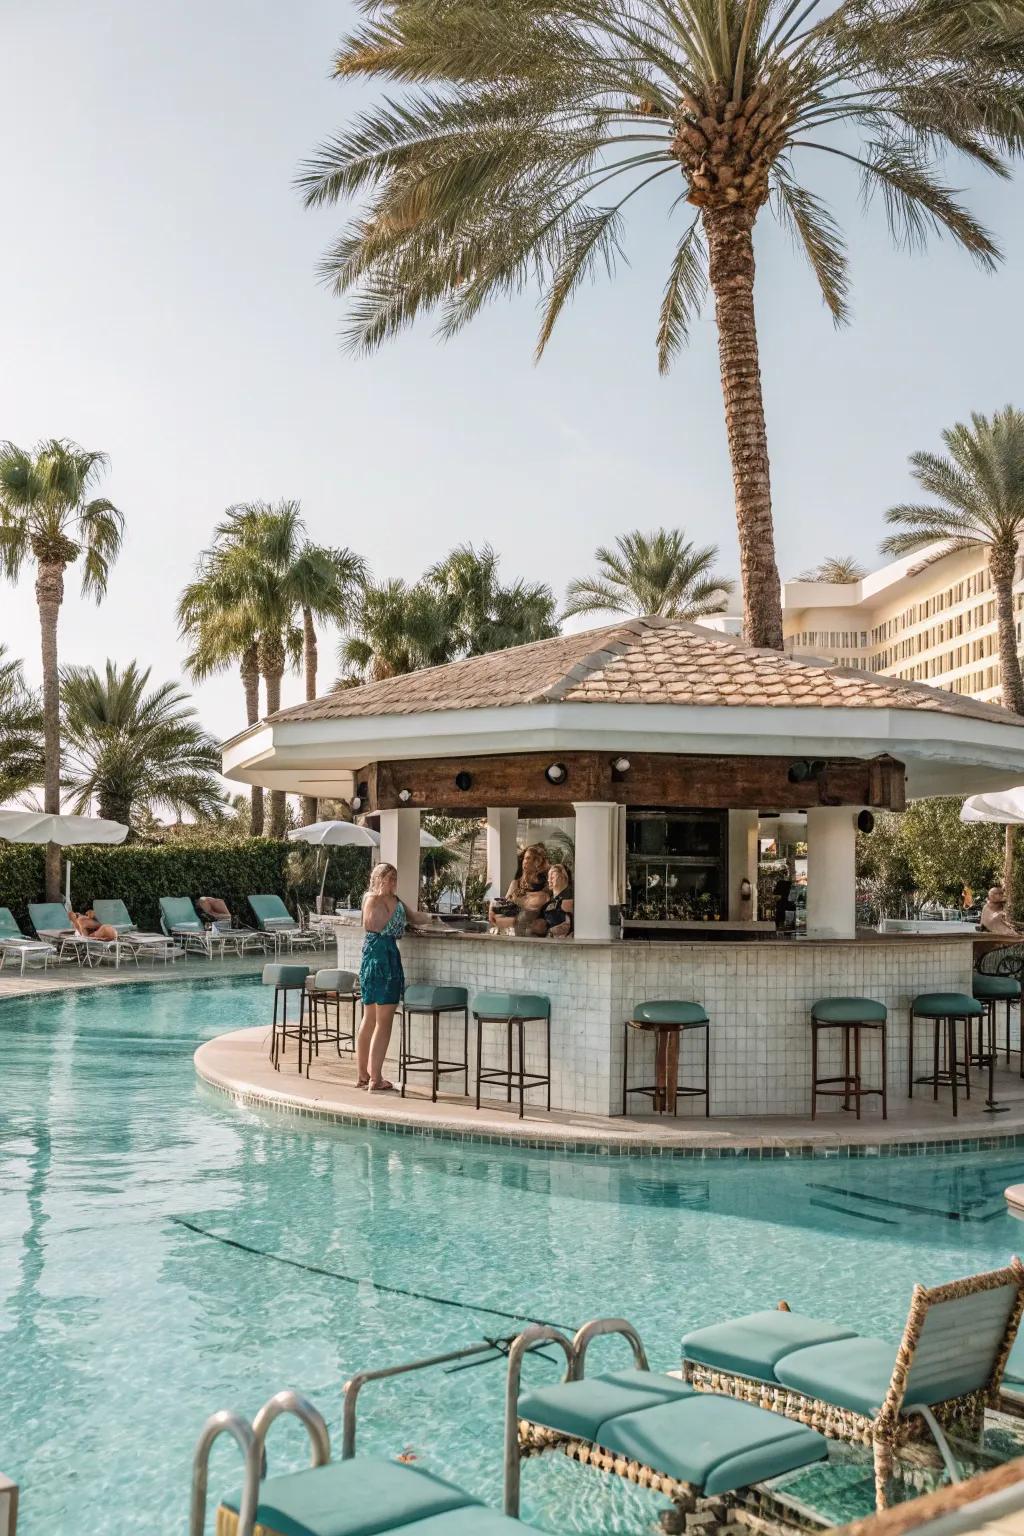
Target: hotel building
column 928, row 618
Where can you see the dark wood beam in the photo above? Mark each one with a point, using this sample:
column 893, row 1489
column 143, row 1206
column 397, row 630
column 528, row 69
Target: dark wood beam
column 652, row 779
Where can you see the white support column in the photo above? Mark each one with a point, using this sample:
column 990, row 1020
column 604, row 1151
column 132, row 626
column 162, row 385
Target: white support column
column 831, row 872
column 742, row 866
column 501, row 849
column 400, row 846
column 595, row 877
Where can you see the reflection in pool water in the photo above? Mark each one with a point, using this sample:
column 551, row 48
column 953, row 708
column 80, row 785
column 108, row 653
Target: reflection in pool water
column 163, row 1253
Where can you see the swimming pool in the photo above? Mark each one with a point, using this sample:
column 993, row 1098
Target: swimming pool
column 163, row 1253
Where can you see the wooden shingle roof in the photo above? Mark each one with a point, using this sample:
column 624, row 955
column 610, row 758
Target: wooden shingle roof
column 638, row 661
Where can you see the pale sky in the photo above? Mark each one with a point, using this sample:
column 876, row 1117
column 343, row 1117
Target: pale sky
column 159, row 301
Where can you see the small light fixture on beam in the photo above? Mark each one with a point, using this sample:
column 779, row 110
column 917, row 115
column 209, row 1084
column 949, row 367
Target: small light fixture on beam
column 359, row 799
column 405, row 795
column 621, row 765
column 557, row 773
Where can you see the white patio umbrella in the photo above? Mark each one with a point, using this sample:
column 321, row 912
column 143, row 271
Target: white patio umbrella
column 67, row 831
column 1005, row 806
column 345, row 834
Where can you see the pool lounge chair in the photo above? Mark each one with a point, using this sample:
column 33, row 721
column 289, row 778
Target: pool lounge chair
column 156, row 945
column 274, row 919
column 698, row 1449
column 180, row 922
column 944, row 1372
column 50, row 921
column 711, row 1449
column 14, row 942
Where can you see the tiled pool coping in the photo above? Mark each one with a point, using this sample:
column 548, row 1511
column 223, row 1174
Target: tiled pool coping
column 228, row 1065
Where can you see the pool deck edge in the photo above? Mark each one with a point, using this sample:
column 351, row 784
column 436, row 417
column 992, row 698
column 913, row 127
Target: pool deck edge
column 235, row 1065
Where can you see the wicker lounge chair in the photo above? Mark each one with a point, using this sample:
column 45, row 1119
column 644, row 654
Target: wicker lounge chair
column 941, row 1376
column 50, row 921
column 180, row 922
column 274, row 919
column 116, row 915
column 14, row 942
column 703, row 1451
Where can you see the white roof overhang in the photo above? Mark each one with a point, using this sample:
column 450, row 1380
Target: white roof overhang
column 945, row 754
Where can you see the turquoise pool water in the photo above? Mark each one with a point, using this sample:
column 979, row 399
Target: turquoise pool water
column 163, row 1254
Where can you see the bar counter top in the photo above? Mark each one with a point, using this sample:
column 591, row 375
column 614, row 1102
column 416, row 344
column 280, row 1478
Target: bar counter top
column 688, row 938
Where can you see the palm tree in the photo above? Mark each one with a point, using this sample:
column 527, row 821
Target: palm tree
column 979, row 495
column 215, row 619
column 47, row 515
column 397, row 628
column 259, row 580
column 835, row 570
column 502, row 159
column 489, row 616
column 135, row 752
column 21, row 730
column 652, row 573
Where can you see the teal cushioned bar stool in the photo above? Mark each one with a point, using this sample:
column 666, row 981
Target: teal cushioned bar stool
column 513, row 1010
column 945, row 1010
column 668, row 1019
column 991, row 990
column 329, row 989
column 420, row 998
column 285, row 979
column 851, row 1015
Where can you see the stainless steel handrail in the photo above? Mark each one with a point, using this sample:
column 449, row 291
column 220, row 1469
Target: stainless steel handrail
column 294, row 1403
column 225, row 1423
column 537, row 1333
column 355, row 1384
column 605, row 1325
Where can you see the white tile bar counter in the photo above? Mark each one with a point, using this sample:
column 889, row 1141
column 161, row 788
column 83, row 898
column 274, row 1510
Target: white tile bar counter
column 758, row 995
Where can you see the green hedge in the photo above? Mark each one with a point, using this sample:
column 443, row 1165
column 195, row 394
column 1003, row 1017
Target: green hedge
column 140, row 875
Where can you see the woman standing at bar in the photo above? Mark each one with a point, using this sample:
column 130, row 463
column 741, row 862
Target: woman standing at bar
column 381, row 978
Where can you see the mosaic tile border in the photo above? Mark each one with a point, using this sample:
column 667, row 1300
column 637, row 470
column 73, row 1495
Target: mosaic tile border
column 810, row 1151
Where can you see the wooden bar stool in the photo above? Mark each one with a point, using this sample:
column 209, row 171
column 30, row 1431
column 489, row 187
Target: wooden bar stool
column 945, row 1010
column 668, row 1019
column 431, row 1002
column 851, row 1015
column 285, row 979
column 325, row 989
column 514, row 1010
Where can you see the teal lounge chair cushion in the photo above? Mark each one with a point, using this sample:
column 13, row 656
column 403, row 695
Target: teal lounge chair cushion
column 361, row 1497
column 581, row 1407
column 473, row 1520
column 986, row 987
column 178, row 912
column 113, row 912
column 270, row 911
column 943, row 1005
column 852, row 1373
column 8, row 927
column 669, row 1011
column 421, row 995
column 753, row 1345
column 49, row 917
column 714, row 1443
column 512, row 1005
column 848, row 1010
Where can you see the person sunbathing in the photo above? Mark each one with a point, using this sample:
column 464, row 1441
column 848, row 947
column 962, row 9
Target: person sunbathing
column 215, row 909
column 89, row 926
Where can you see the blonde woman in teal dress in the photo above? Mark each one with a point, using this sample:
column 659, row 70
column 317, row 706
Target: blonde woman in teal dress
column 381, row 978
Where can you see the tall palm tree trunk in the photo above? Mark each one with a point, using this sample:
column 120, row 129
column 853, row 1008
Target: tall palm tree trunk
column 250, row 671
column 49, row 596
column 272, row 679
column 309, row 803
column 1001, row 565
column 729, row 231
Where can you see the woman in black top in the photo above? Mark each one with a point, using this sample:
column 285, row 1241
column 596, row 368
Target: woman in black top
column 557, row 914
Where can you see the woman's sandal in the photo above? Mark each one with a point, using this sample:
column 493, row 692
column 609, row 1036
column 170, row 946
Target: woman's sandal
column 362, row 1082
column 381, row 1086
